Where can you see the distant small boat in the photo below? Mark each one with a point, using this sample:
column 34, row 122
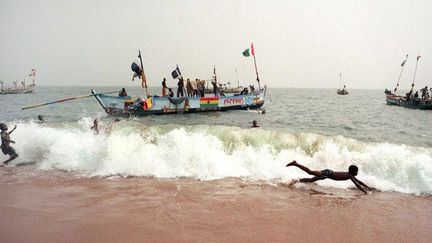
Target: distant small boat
column 343, row 90
column 24, row 89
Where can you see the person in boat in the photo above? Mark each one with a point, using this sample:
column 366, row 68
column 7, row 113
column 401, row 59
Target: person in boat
column 180, row 87
column 95, row 126
column 201, row 87
column 244, row 91
column 424, row 92
column 214, row 88
column 222, row 93
column 333, row 175
column 254, row 124
column 416, row 95
column 408, row 95
column 123, row 93
column 164, row 88
column 252, row 88
column 5, row 144
column 170, row 92
column 387, row 92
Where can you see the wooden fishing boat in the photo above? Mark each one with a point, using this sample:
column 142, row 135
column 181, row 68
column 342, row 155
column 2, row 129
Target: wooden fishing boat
column 155, row 105
column 413, row 103
column 343, row 90
column 24, row 89
column 18, row 90
column 409, row 100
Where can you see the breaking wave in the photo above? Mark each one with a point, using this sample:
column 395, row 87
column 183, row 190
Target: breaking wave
column 129, row 148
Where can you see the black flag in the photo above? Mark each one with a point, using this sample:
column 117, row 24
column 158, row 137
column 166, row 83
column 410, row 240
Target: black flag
column 176, row 73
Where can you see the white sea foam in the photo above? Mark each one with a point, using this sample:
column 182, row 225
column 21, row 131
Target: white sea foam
column 129, row 148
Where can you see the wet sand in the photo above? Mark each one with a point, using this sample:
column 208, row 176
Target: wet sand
column 54, row 206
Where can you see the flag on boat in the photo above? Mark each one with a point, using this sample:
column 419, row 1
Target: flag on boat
column 249, row 51
column 209, row 102
column 252, row 49
column 246, row 53
column 176, row 73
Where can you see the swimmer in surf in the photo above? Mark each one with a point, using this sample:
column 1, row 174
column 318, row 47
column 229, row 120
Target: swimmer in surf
column 334, row 175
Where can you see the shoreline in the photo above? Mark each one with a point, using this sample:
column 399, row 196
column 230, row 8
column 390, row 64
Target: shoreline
column 47, row 206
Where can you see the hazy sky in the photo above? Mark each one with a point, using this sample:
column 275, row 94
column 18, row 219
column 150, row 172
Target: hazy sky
column 297, row 43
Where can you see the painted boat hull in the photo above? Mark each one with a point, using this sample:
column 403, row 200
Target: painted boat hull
column 126, row 106
column 414, row 103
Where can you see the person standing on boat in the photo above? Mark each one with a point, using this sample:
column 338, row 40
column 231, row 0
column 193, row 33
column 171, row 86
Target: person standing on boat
column 164, row 88
column 424, row 92
column 5, row 143
column 214, row 88
column 123, row 93
column 180, row 87
column 170, row 93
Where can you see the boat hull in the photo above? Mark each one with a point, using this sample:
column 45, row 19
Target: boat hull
column 25, row 90
column 414, row 103
column 126, row 106
column 342, row 92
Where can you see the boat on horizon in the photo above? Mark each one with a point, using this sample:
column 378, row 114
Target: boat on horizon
column 343, row 90
column 24, row 89
column 409, row 100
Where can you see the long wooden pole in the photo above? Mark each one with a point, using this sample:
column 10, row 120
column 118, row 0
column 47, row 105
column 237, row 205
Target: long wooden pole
column 400, row 73
column 256, row 69
column 415, row 71
column 143, row 77
column 63, row 100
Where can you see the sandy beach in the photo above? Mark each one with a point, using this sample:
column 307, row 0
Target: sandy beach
column 55, row 206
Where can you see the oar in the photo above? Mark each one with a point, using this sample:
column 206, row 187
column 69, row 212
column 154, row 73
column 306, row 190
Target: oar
column 63, row 100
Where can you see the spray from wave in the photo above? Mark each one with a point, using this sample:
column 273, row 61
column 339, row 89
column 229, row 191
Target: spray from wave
column 129, row 148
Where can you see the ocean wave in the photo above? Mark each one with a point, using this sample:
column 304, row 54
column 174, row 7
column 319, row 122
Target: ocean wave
column 129, row 148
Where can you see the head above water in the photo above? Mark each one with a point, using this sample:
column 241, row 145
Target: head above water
column 3, row 127
column 254, row 122
column 353, row 170
column 123, row 89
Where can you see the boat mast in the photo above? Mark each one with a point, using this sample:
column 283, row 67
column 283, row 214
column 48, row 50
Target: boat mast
column 400, row 74
column 143, row 77
column 415, row 71
column 340, row 80
column 214, row 72
column 256, row 70
column 238, row 82
column 34, row 74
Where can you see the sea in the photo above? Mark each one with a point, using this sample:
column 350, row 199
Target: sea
column 392, row 146
column 210, row 177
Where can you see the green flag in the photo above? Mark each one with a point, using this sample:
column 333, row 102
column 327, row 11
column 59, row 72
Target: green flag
column 246, row 53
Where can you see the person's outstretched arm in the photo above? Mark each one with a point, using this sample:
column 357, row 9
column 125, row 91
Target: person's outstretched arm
column 358, row 185
column 13, row 129
column 361, row 183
